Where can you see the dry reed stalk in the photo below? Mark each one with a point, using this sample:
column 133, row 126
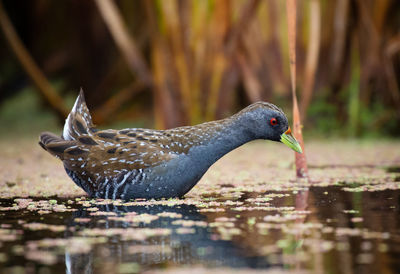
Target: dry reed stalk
column 165, row 111
column 217, row 33
column 104, row 112
column 391, row 50
column 197, row 45
column 44, row 87
column 312, row 56
column 301, row 162
column 339, row 36
column 252, row 85
column 124, row 41
column 173, row 31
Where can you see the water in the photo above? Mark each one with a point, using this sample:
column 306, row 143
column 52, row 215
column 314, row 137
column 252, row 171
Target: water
column 321, row 229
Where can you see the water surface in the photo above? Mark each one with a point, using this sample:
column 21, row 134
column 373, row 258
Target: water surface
column 340, row 229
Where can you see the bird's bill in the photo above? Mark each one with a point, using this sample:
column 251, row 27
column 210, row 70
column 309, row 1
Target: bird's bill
column 288, row 139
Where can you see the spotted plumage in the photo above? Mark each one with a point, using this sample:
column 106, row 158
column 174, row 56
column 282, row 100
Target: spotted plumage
column 147, row 163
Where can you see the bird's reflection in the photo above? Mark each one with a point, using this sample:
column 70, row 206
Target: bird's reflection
column 174, row 249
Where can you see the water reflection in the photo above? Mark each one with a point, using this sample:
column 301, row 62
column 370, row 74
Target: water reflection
column 320, row 229
column 172, row 249
column 366, row 229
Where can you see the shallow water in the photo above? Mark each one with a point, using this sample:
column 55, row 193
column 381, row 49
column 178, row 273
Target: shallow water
column 335, row 229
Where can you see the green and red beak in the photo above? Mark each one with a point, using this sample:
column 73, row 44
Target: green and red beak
column 288, row 139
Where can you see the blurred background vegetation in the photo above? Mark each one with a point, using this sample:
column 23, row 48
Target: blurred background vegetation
column 178, row 62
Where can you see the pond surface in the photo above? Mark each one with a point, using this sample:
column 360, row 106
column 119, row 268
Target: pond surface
column 324, row 228
column 246, row 215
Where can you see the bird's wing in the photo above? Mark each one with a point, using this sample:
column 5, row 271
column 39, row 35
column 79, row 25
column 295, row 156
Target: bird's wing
column 108, row 153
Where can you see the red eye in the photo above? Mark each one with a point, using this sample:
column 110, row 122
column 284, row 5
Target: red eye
column 273, row 121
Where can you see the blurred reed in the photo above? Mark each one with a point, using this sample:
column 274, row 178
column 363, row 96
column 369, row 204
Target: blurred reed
column 201, row 60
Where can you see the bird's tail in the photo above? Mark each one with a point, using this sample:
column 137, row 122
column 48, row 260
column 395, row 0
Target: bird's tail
column 79, row 121
column 54, row 144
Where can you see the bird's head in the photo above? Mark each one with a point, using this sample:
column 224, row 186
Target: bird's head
column 269, row 122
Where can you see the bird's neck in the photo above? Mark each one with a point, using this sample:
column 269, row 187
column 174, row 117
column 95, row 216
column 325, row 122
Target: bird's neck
column 210, row 141
column 223, row 137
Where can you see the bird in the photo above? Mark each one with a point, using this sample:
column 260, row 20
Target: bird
column 136, row 163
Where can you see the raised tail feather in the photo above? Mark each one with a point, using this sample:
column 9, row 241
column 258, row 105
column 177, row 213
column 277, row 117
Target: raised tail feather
column 79, row 121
